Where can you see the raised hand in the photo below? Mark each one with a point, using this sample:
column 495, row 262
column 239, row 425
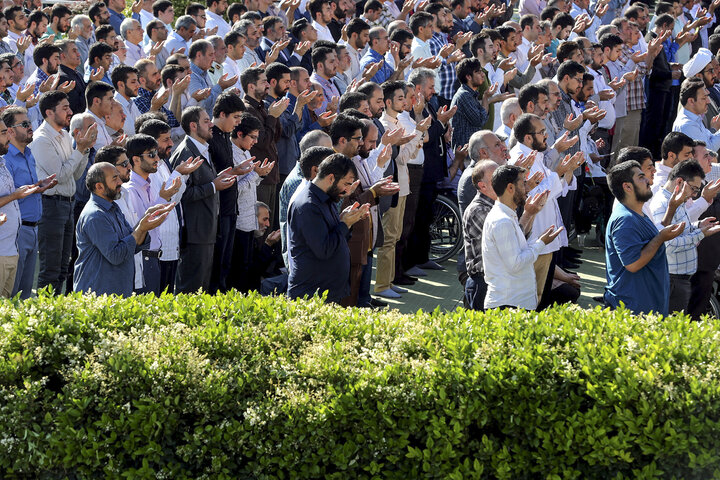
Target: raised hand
column 276, row 109
column 709, row 226
column 226, row 82
column 159, row 99
column 354, row 213
column 534, row 180
column 385, row 187
column 273, row 238
column 711, row 190
column 385, row 156
column 179, row 86
column 445, row 114
column 166, row 193
column 86, row 140
column 550, row 234
column 424, row 124
column 535, row 203
column 157, row 48
column 616, row 84
column 564, row 142
column 224, row 180
column 24, row 93
column 275, row 51
column 155, row 216
column 245, row 167
column 201, row 94
column 23, row 43
column 572, row 123
column 671, row 231
column 189, row 165
column 326, row 118
column 264, row 168
column 25, row 191
column 46, row 183
column 301, row 48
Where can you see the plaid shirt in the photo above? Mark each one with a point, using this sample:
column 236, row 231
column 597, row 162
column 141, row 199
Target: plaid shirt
column 681, row 251
column 558, row 118
column 144, row 102
column 470, row 116
column 635, row 89
column 473, row 221
column 446, row 74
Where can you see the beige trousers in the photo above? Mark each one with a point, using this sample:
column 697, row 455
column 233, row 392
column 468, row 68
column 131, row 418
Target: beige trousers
column 541, row 267
column 8, row 267
column 392, row 222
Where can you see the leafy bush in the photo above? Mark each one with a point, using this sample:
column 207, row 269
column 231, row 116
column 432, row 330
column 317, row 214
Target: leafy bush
column 234, row 387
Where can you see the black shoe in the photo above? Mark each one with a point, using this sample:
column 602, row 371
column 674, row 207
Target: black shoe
column 574, row 250
column 568, row 265
column 404, row 281
column 410, row 277
column 374, row 302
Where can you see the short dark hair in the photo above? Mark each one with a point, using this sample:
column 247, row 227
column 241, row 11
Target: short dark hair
column 36, row 17
column 620, row 174
column 250, row 75
column 297, row 27
column 315, row 7
column 228, row 102
column 248, row 123
column 570, row 69
column 270, row 21
column 343, row 127
column 98, row 50
column 153, row 25
column 235, row 9
column 149, row 116
column 9, row 114
column 401, row 36
column 419, row 20
column 466, row 68
column 524, row 126
column 59, row 11
column 96, row 90
column 275, row 71
column 566, row 50
column 675, row 142
column 170, row 72
column 319, row 55
column 528, row 20
column 121, row 73
column 153, row 127
column 689, row 89
column 138, row 144
column 664, row 20
column 109, row 154
column 639, row 154
column 563, row 20
column 103, row 32
column 198, row 46
column 11, row 11
column 194, row 8
column 94, row 10
column 190, row 115
column 368, row 88
column 505, row 32
column 337, row 165
column 373, row 5
column 232, row 37
column 687, row 170
column 160, row 6
column 351, row 100
column 96, row 174
column 389, row 89
column 505, row 175
column 611, row 40
column 50, row 100
column 44, row 52
column 357, row 25
column 530, row 93
column 549, row 13
column 313, row 157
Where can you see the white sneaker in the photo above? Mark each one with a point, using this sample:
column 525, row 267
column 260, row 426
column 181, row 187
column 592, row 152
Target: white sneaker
column 398, row 289
column 388, row 293
column 416, row 272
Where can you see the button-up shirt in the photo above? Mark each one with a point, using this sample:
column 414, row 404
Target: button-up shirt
column 232, row 69
column 176, row 42
column 329, row 90
column 508, row 260
column 116, row 19
column 323, row 32
column 473, row 220
column 8, row 230
column 470, row 116
column 354, row 71
column 106, row 248
column 385, row 71
column 131, row 113
column 288, row 146
column 215, row 20
column 199, row 79
column 59, row 158
column 22, row 168
column 36, row 78
column 134, row 53
column 550, row 213
column 681, row 251
column 247, row 193
column 103, row 137
column 691, row 124
column 447, row 77
column 169, row 230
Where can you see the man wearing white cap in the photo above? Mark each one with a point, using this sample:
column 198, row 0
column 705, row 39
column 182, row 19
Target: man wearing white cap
column 702, row 66
column 694, row 98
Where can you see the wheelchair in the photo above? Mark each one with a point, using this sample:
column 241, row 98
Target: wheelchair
column 446, row 237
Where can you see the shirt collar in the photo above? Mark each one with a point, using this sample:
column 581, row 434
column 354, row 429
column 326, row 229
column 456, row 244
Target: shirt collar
column 101, row 202
column 13, row 151
column 506, row 210
column 198, row 70
column 692, row 116
column 202, row 149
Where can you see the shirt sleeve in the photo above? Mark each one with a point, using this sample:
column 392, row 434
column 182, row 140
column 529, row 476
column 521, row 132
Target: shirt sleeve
column 321, row 240
column 50, row 162
column 102, row 235
column 627, row 239
column 510, row 252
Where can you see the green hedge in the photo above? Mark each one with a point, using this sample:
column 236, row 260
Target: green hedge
column 234, row 387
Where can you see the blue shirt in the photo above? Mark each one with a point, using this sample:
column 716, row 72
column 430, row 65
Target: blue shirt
column 470, row 116
column 307, row 123
column 648, row 289
column 22, row 167
column 692, row 125
column 288, row 145
column 106, row 248
column 447, row 78
column 116, row 19
column 382, row 75
column 199, row 80
column 144, row 101
column 291, row 183
column 318, row 252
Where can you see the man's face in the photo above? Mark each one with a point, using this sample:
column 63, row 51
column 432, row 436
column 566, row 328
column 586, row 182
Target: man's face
column 381, row 44
column 131, row 86
column 510, row 44
column 330, row 65
column 148, row 161
column 614, row 53
column 319, row 96
column 303, row 81
column 71, row 56
column 496, row 149
column 262, row 87
column 641, row 185
column 574, row 84
column 445, row 20
column 253, row 36
column 104, row 105
column 117, row 5
column 282, row 86
column 532, row 33
column 677, row 9
column 341, row 187
column 238, row 50
column 352, row 147
column 122, row 165
column 369, row 142
column 200, row 18
column 555, row 98
column 38, row 31
column 4, row 138
column 165, row 145
column 21, row 21
column 310, row 34
column 542, row 106
column 205, row 59
column 377, row 105
column 18, row 70
column 703, row 157
column 643, row 19
column 478, row 78
column 227, row 123
column 167, row 16
column 519, row 194
column 204, row 128
column 398, row 100
column 326, row 15
column 246, row 142
column 598, row 59
column 410, row 98
column 685, row 154
column 105, row 61
column 263, row 219
column 648, row 168
column 104, row 16
column 63, row 24
column 539, row 137
column 564, row 33
column 361, row 40
column 112, row 185
column 117, row 116
column 577, row 56
column 61, row 114
column 277, row 32
column 6, row 77
column 53, row 63
column 344, row 60
column 428, row 89
column 222, row 5
column 22, row 129
column 489, row 51
column 3, row 28
column 586, row 91
column 708, row 73
column 365, row 108
column 152, row 78
column 702, row 99
column 135, row 33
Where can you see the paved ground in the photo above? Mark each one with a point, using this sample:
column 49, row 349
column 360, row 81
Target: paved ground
column 442, row 288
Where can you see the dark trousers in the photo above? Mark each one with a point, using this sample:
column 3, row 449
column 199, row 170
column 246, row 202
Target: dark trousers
column 168, row 270
column 268, row 194
column 242, row 260
column 194, row 268
column 222, row 258
column 356, row 271
column 27, row 243
column 55, row 240
column 653, row 131
column 77, row 210
column 679, row 293
column 701, row 286
column 411, row 206
column 364, row 295
column 418, row 246
column 151, row 275
column 475, row 291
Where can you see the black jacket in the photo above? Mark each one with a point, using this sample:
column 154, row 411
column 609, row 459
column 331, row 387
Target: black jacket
column 76, row 96
column 661, row 76
column 221, row 155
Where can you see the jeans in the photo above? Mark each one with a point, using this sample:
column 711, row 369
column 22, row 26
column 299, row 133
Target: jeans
column 168, row 270
column 55, row 234
column 679, row 293
column 475, row 291
column 28, row 252
column 151, row 275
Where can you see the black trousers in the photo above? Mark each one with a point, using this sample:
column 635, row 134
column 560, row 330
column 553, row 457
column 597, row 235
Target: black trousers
column 242, row 260
column 223, row 253
column 415, row 173
column 194, row 268
column 653, row 129
column 418, row 246
column 168, row 270
column 55, row 241
column 701, row 284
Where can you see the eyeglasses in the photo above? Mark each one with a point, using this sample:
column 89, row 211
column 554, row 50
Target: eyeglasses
column 541, row 132
column 359, row 139
column 151, row 154
column 123, row 164
column 254, row 137
column 25, row 124
column 695, row 189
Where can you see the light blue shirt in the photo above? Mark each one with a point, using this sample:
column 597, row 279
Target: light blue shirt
column 199, row 80
column 692, row 125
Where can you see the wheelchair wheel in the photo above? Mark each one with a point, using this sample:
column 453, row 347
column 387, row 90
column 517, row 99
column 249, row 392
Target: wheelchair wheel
column 446, row 229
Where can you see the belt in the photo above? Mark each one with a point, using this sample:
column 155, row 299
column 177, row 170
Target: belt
column 59, row 197
column 680, row 277
column 413, row 166
column 29, row 224
column 152, row 253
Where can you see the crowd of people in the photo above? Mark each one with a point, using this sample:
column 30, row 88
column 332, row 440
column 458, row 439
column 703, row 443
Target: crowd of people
column 283, row 147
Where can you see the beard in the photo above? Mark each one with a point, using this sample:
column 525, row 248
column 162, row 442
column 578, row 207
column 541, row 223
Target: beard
column 334, row 193
column 539, row 146
column 519, row 198
column 112, row 194
column 4, row 148
column 642, row 197
column 129, row 93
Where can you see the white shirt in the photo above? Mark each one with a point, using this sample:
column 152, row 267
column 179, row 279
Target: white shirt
column 12, row 39
column 522, row 59
column 503, row 131
column 145, row 18
column 54, row 154
column 694, row 208
column 134, row 53
column 409, row 124
column 103, row 137
column 215, row 20
column 354, row 71
column 608, row 105
column 169, row 230
column 407, row 151
column 176, row 42
column 550, row 213
column 495, row 75
column 131, row 113
column 508, row 260
column 231, row 67
column 323, row 33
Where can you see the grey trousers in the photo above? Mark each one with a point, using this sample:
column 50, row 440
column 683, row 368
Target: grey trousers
column 55, row 240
